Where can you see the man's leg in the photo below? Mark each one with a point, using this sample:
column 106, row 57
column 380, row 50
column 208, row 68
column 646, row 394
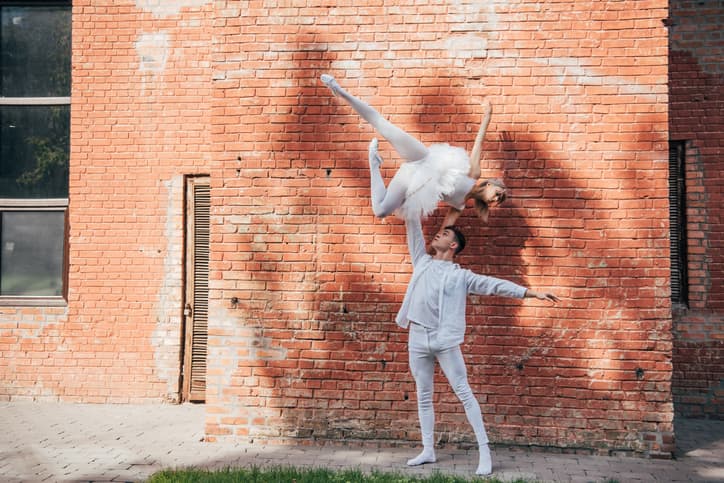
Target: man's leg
column 453, row 365
column 422, row 365
column 406, row 145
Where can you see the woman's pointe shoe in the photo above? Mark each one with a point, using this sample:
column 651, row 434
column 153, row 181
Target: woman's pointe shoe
column 374, row 156
column 331, row 82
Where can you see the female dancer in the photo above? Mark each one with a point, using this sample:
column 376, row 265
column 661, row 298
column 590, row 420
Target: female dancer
column 429, row 174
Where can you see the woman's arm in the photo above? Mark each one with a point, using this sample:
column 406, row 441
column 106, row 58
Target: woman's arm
column 452, row 216
column 474, row 171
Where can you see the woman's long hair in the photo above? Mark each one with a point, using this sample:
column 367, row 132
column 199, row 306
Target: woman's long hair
column 481, row 207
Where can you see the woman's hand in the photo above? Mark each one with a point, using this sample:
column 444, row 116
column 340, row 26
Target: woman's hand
column 452, row 216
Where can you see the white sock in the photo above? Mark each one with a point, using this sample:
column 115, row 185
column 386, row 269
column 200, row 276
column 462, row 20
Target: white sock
column 427, row 456
column 485, row 464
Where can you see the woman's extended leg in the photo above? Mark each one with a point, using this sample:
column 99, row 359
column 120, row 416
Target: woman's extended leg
column 409, row 148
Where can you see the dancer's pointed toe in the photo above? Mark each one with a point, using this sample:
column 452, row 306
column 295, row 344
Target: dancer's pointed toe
column 374, row 157
column 330, row 82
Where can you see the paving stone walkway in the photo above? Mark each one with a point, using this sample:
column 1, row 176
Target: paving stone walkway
column 84, row 442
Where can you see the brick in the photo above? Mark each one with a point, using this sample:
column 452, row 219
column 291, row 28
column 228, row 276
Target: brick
column 695, row 87
column 578, row 132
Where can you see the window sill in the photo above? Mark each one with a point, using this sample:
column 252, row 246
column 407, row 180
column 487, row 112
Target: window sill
column 6, row 301
column 32, row 203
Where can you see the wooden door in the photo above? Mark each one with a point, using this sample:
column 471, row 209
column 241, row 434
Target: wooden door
column 196, row 308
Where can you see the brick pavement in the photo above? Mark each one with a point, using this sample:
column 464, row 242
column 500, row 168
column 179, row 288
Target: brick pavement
column 82, row 442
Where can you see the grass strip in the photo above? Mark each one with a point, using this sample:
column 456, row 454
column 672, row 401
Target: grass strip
column 305, row 475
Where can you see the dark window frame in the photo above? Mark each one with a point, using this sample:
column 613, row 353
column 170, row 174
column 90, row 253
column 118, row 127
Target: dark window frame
column 39, row 204
column 677, row 224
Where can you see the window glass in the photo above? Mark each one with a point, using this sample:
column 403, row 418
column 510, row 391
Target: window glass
column 35, row 63
column 34, row 151
column 31, row 260
column 35, row 51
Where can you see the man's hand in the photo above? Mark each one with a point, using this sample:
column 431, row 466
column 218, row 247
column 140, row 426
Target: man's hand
column 452, row 216
column 541, row 296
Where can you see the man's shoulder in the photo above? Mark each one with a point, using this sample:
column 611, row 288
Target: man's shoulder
column 466, row 272
column 455, row 270
column 423, row 259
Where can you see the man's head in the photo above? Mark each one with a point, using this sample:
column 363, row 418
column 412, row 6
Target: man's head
column 449, row 238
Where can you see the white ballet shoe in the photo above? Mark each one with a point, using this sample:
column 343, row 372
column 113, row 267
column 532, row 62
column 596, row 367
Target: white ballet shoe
column 374, row 157
column 427, row 456
column 485, row 464
column 487, row 108
column 331, row 82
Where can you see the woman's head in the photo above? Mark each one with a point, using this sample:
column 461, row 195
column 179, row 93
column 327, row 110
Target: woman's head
column 491, row 192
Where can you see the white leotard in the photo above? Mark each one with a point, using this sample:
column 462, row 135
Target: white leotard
column 440, row 176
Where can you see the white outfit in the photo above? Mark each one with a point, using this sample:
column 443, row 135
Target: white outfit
column 456, row 284
column 428, row 175
column 436, row 295
column 442, row 175
column 423, row 350
column 434, row 310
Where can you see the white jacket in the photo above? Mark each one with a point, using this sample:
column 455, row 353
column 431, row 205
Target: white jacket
column 457, row 284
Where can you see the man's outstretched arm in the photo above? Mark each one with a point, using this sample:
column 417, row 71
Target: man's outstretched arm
column 484, row 285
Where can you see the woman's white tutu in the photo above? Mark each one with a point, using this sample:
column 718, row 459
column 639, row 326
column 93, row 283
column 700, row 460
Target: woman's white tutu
column 442, row 174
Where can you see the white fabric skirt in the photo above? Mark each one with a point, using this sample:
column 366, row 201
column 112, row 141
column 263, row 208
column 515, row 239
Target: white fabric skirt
column 432, row 179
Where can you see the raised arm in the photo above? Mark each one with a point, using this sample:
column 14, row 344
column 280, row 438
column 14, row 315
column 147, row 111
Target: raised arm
column 474, row 171
column 415, row 240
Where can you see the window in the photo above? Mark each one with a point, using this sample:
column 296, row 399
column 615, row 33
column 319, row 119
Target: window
column 35, row 58
column 677, row 222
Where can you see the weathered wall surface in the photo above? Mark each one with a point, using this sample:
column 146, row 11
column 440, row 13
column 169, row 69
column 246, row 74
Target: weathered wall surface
column 697, row 116
column 306, row 282
column 140, row 122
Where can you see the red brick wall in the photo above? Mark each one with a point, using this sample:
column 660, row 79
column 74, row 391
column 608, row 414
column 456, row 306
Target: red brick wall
column 697, row 116
column 140, row 122
column 306, row 281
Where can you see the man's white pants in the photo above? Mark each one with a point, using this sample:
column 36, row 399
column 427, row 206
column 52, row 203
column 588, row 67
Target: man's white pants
column 423, row 352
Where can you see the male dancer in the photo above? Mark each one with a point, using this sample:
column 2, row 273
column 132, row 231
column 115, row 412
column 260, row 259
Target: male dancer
column 434, row 310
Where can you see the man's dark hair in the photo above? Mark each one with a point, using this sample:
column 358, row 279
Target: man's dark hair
column 459, row 238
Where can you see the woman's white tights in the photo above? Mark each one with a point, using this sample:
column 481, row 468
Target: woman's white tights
column 409, row 148
column 384, row 200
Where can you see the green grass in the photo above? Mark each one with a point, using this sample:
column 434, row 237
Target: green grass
column 300, row 475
